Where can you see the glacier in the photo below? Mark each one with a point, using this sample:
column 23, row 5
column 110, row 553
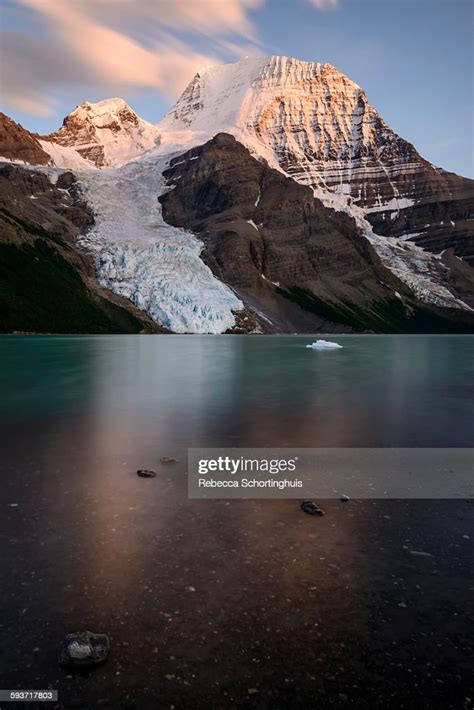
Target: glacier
column 139, row 256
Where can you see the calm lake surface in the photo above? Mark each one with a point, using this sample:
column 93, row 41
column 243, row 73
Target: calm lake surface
column 204, row 600
column 139, row 396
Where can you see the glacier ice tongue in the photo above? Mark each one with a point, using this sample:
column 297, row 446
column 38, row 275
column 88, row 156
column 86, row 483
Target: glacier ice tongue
column 139, row 256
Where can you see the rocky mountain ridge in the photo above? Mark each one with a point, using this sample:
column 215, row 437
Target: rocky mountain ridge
column 19, row 145
column 106, row 134
column 95, row 135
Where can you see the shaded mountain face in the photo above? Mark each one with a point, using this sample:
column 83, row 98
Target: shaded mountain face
column 279, row 247
column 47, row 284
column 442, row 216
column 18, row 144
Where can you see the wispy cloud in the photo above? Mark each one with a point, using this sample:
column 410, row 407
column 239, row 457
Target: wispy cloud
column 116, row 45
column 324, row 4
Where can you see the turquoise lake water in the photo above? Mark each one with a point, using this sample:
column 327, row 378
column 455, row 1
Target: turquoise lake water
column 180, row 391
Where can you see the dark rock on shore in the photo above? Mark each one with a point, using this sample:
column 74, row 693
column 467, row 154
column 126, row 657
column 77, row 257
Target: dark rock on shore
column 84, row 649
column 146, row 473
column 245, row 323
column 310, row 507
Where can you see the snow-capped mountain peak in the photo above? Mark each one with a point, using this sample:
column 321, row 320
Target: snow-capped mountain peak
column 307, row 118
column 102, row 112
column 316, row 125
column 106, row 134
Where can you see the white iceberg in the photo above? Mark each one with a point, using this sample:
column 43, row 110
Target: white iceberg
column 324, row 345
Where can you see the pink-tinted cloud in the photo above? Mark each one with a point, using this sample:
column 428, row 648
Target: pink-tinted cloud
column 115, row 45
column 324, row 4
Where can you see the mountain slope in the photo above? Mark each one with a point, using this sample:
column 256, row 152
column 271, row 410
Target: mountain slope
column 19, row 145
column 46, row 283
column 273, row 242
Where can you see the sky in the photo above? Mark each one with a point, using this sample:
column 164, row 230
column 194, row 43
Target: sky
column 414, row 58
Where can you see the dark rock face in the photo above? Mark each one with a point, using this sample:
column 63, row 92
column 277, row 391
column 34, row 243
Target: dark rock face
column 65, row 181
column 16, row 143
column 296, row 264
column 260, row 228
column 47, row 284
column 46, row 202
column 442, row 216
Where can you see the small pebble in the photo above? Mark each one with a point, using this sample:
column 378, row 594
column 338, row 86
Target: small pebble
column 310, row 507
column 84, row 649
column 420, row 553
column 145, row 473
